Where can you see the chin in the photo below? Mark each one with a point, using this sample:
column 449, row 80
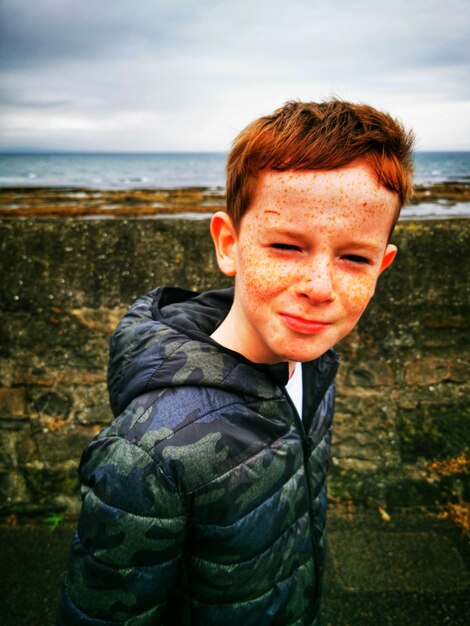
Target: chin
column 302, row 356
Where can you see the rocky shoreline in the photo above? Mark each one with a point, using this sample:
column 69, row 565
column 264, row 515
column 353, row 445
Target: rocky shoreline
column 72, row 202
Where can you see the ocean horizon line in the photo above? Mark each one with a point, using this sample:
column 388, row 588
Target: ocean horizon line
column 133, row 170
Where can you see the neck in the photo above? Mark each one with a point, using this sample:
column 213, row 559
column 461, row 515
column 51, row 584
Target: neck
column 292, row 365
column 230, row 335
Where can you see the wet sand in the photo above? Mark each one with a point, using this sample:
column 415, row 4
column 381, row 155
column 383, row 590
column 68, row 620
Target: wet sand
column 72, row 202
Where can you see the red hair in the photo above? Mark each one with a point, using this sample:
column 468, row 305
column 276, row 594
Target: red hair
column 319, row 136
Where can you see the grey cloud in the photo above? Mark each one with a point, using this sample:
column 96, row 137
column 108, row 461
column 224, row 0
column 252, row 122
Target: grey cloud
column 34, row 103
column 48, row 31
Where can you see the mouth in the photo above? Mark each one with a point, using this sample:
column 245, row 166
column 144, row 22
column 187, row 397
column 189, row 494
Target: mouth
column 302, row 325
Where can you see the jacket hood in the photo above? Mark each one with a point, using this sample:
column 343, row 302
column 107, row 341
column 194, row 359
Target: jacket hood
column 164, row 341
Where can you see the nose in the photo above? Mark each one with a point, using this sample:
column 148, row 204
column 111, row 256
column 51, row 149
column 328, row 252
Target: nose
column 317, row 282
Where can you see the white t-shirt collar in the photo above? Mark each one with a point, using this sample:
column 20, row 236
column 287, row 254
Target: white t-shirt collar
column 295, row 389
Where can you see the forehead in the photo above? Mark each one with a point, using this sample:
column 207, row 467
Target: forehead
column 347, row 194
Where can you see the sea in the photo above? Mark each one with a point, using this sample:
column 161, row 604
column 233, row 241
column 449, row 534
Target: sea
column 188, row 169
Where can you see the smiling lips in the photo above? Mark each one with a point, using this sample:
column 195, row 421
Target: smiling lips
column 301, row 325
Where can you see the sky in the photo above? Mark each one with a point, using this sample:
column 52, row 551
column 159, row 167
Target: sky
column 188, row 75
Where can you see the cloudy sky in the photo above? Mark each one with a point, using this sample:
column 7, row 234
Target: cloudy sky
column 187, row 75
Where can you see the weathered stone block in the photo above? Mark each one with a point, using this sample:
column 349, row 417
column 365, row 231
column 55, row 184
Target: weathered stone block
column 460, row 370
column 51, row 403
column 71, row 504
column 43, row 482
column 429, row 370
column 5, row 370
column 409, row 490
column 91, row 404
column 103, row 319
column 26, row 448
column 60, row 447
column 36, row 373
column 442, row 394
column 12, row 403
column 12, row 490
column 8, row 458
column 55, row 345
column 370, row 372
column 434, row 431
column 364, row 429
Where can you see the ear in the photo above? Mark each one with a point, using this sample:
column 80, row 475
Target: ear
column 224, row 236
column 390, row 254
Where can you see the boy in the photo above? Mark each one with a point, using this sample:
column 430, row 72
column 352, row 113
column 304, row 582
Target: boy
column 204, row 501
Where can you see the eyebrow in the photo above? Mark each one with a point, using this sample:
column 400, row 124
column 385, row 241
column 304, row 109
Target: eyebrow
column 273, row 230
column 363, row 245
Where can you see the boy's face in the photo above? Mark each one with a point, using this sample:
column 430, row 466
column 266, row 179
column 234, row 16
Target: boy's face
column 306, row 258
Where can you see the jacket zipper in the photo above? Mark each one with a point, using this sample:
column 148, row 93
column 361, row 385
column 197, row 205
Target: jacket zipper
column 306, row 450
column 306, row 446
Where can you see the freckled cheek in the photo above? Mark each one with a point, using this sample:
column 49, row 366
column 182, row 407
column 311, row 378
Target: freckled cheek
column 262, row 274
column 357, row 293
column 259, row 288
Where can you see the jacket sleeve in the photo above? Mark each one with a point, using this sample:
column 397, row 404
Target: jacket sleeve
column 125, row 555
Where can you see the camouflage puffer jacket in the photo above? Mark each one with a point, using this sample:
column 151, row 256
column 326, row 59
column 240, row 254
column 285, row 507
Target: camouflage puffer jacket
column 204, row 501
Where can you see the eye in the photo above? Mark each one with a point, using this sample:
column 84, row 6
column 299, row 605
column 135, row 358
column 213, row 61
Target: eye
column 285, row 246
column 356, row 258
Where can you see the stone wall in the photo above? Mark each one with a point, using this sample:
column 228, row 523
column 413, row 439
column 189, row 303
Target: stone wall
column 403, row 410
